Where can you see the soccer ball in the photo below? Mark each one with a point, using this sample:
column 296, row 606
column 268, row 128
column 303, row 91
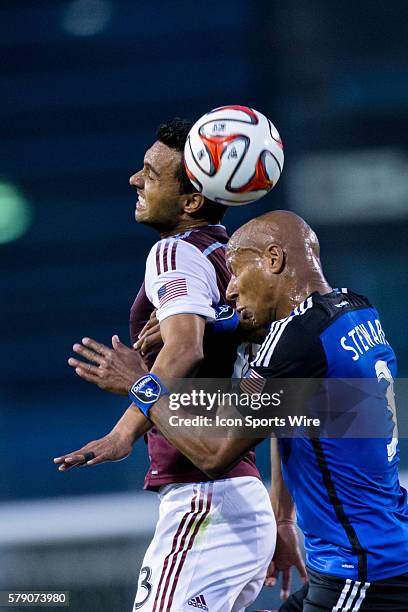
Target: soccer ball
column 233, row 155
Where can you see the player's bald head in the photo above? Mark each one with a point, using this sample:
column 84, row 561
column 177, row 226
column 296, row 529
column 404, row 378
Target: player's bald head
column 282, row 228
column 275, row 264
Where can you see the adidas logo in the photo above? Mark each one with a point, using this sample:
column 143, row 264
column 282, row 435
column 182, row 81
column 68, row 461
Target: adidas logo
column 198, row 602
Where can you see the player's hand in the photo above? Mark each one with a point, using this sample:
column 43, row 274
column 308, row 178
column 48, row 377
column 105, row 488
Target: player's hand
column 112, row 369
column 287, row 554
column 113, row 447
column 150, row 335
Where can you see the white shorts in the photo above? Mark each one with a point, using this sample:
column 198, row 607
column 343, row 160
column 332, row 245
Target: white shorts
column 211, row 548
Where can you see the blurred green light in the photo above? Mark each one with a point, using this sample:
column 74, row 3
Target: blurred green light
column 15, row 213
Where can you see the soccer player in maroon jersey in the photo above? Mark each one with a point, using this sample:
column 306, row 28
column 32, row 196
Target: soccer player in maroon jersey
column 186, row 276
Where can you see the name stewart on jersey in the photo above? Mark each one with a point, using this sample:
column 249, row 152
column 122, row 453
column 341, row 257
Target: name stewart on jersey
column 198, row 258
column 362, row 337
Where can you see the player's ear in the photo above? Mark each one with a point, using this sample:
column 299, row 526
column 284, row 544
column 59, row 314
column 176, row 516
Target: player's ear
column 276, row 258
column 193, row 202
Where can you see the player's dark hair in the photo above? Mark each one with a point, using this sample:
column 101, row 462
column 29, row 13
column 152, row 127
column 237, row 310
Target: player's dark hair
column 174, row 134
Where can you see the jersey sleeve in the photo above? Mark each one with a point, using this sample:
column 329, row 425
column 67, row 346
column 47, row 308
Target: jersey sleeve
column 180, row 279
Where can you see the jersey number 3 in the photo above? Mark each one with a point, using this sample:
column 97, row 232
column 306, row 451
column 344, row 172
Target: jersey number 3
column 144, row 588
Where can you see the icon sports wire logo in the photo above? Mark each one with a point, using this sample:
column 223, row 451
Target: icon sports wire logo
column 198, row 602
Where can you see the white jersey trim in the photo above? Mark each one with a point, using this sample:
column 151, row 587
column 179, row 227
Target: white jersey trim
column 265, row 353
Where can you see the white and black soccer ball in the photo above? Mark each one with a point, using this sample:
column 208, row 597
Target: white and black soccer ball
column 233, row 155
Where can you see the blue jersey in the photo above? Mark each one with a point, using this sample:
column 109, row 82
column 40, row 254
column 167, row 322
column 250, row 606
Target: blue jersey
column 349, row 502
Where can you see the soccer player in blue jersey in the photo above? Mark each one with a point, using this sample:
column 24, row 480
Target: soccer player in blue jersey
column 350, row 505
column 346, row 492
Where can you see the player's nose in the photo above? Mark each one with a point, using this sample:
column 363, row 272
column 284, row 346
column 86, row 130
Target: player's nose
column 136, row 180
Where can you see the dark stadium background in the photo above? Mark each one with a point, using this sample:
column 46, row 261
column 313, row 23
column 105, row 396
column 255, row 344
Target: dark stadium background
column 84, row 85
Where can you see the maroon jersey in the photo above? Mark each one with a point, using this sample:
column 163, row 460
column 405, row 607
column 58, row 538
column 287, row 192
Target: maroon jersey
column 186, row 273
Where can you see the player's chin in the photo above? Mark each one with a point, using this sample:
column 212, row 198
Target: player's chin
column 250, row 331
column 141, row 215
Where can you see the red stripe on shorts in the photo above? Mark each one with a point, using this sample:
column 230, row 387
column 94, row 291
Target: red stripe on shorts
column 193, row 517
column 173, row 548
column 189, row 546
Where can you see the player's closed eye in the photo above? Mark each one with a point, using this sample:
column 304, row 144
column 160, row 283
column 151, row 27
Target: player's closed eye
column 149, row 174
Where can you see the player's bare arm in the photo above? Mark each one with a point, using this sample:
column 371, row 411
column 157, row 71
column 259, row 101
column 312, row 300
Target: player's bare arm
column 213, row 456
column 287, row 552
column 181, row 353
column 117, row 368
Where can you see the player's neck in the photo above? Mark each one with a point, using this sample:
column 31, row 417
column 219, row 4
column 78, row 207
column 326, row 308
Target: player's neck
column 184, row 226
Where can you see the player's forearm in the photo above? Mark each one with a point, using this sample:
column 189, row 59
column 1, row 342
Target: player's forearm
column 213, row 456
column 182, row 351
column 282, row 502
column 180, row 356
column 177, row 359
column 132, row 425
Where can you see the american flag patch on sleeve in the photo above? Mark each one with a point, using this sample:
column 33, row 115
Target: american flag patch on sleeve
column 253, row 383
column 171, row 290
